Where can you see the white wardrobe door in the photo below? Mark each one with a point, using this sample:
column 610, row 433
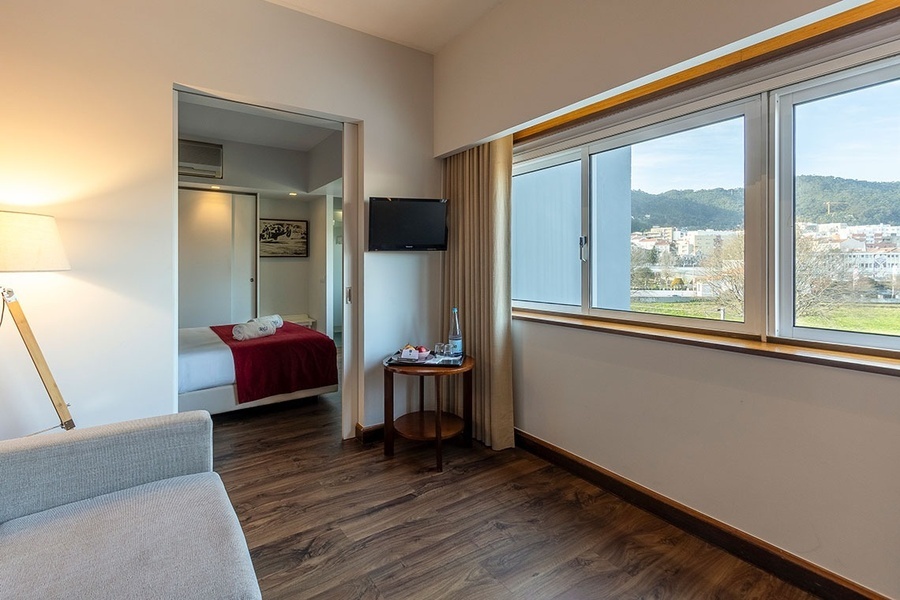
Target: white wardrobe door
column 243, row 263
column 204, row 258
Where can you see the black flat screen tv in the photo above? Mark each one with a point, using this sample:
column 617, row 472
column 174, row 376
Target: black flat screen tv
column 407, row 224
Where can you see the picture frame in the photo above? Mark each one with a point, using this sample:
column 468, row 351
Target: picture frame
column 283, row 238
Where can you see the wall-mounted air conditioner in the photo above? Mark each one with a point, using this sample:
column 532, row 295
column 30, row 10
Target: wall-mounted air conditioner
column 199, row 159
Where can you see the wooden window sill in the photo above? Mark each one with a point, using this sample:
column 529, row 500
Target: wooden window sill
column 885, row 363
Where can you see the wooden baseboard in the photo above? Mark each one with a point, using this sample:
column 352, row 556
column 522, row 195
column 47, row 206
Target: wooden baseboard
column 370, row 434
column 789, row 567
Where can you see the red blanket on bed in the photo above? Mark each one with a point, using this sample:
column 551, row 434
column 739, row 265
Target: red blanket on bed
column 295, row 358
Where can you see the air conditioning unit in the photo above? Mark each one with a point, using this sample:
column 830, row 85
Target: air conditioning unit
column 199, row 159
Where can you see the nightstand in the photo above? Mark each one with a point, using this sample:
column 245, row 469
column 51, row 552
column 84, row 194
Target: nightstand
column 303, row 319
column 428, row 425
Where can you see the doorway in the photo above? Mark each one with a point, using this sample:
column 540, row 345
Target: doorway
column 286, row 165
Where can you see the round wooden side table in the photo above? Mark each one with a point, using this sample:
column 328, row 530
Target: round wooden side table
column 427, row 425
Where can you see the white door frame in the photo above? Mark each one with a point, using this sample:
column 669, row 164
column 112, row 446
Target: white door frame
column 354, row 222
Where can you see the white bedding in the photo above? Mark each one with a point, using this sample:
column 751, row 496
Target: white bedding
column 204, row 360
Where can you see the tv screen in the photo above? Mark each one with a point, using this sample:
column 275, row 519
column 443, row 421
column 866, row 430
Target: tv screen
column 407, row 224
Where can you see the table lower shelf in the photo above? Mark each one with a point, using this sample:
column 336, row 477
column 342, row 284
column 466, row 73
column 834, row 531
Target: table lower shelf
column 420, row 425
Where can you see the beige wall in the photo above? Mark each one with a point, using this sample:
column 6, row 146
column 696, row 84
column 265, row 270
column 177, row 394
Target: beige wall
column 802, row 456
column 528, row 58
column 87, row 115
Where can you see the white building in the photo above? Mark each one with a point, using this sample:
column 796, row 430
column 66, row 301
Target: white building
column 704, row 242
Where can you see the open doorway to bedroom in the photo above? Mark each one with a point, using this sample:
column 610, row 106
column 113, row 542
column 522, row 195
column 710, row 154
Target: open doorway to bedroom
column 261, row 232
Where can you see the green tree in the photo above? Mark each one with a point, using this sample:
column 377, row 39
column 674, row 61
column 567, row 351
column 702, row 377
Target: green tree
column 643, row 278
column 641, row 273
column 822, row 279
column 723, row 272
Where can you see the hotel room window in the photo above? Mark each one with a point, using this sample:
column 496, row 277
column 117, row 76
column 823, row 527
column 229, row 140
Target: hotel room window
column 839, row 185
column 774, row 216
column 644, row 225
column 546, row 226
column 668, row 219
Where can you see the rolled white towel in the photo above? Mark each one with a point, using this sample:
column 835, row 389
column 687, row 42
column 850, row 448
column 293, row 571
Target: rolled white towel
column 274, row 319
column 253, row 329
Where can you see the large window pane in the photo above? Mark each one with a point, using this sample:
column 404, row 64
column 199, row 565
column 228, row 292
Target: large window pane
column 668, row 224
column 847, row 211
column 546, row 225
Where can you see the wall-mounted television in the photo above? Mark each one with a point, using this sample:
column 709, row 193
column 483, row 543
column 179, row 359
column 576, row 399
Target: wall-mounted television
column 407, row 224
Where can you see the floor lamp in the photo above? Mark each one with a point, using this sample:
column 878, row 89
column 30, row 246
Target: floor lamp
column 28, row 243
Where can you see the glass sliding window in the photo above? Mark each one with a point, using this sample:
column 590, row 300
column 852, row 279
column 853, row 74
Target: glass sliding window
column 842, row 268
column 545, row 230
column 778, row 223
column 668, row 221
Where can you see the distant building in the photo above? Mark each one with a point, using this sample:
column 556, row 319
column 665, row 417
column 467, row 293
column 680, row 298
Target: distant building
column 852, row 245
column 880, row 264
column 670, row 234
column 704, row 242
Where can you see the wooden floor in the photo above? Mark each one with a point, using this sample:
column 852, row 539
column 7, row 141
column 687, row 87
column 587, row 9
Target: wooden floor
column 332, row 519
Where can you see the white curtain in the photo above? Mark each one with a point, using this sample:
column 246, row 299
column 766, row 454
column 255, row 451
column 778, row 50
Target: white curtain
column 477, row 184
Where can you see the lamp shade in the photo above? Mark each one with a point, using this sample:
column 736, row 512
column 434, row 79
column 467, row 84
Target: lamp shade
column 30, row 242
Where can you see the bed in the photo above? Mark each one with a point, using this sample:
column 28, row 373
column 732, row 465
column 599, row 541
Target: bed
column 218, row 374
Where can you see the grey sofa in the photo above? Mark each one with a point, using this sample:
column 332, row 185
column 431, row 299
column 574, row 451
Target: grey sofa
column 130, row 510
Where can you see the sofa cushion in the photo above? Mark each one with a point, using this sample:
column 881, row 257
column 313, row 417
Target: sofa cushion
column 44, row 471
column 175, row 538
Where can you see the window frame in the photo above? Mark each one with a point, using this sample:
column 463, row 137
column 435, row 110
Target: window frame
column 691, row 116
column 752, row 111
column 769, row 293
column 538, row 164
column 783, row 224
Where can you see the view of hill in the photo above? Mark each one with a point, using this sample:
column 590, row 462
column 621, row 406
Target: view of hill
column 688, row 209
column 820, row 199
column 836, row 200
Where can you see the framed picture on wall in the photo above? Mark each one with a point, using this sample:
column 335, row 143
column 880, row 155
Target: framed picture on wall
column 283, row 238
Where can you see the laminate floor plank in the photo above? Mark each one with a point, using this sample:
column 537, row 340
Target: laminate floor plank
column 332, row 519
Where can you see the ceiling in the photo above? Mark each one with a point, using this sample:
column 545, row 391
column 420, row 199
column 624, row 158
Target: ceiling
column 205, row 117
column 426, row 25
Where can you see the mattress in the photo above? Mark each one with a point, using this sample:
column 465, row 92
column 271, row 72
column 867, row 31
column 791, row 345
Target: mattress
column 204, row 360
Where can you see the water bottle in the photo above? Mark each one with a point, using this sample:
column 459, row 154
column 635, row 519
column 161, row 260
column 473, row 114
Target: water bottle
column 455, row 336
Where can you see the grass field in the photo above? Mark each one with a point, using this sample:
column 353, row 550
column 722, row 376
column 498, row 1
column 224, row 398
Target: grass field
column 864, row 318
column 698, row 309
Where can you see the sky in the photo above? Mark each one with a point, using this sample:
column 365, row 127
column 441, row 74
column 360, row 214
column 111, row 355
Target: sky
column 855, row 135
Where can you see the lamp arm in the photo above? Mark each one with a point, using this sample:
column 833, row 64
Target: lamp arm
column 37, row 357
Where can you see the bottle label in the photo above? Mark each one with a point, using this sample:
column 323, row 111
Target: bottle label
column 455, row 347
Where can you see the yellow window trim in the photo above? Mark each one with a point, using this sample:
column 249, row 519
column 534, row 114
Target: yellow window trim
column 852, row 20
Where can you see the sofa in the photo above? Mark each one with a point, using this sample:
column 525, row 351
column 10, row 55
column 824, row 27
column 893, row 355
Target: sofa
column 128, row 510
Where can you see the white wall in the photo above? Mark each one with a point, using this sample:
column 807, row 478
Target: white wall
column 529, row 58
column 324, row 162
column 321, row 251
column 89, row 136
column 287, row 285
column 285, row 281
column 801, row 456
column 409, row 283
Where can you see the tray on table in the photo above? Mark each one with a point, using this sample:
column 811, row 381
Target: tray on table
column 429, row 361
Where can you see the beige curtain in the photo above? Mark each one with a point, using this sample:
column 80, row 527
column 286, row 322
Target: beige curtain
column 477, row 280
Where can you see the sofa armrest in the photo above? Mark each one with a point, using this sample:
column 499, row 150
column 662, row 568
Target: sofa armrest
column 41, row 472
